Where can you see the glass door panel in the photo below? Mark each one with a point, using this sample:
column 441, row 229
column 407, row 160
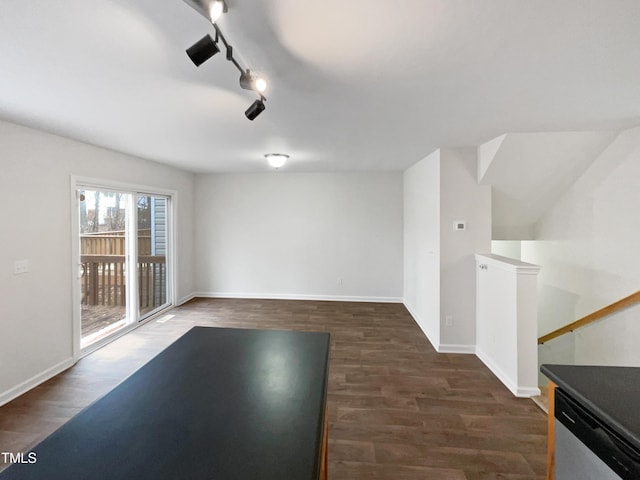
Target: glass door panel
column 152, row 220
column 103, row 217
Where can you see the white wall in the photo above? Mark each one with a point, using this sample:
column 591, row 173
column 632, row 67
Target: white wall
column 422, row 244
column 461, row 198
column 486, row 153
column 439, row 261
column 286, row 235
column 613, row 341
column 588, row 247
column 36, row 310
column 530, row 172
column 507, row 248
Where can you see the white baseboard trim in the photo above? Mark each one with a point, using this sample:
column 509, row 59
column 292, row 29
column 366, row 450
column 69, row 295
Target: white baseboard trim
column 294, row 296
column 416, row 318
column 517, row 390
column 34, row 381
column 184, row 300
column 528, row 392
column 453, row 348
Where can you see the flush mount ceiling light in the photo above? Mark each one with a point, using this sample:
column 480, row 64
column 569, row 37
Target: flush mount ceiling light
column 202, row 50
column 276, row 160
column 207, row 47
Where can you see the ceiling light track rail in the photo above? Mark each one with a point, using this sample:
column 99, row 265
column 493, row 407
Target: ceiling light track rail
column 229, row 48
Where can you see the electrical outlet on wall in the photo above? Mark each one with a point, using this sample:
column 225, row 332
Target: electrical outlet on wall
column 20, row 267
column 448, row 321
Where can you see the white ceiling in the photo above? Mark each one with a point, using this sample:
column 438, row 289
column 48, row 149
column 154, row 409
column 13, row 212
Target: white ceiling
column 353, row 85
column 529, row 172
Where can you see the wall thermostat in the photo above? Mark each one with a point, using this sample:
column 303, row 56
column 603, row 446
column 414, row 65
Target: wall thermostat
column 460, row 225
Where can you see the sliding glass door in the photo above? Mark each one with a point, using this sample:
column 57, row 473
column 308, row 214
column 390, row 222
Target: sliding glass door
column 124, row 259
column 152, row 253
column 103, row 224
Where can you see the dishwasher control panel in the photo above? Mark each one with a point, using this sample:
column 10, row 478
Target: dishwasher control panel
column 584, row 427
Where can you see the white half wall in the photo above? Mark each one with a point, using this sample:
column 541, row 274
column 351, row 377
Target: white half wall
column 422, row 245
column 506, row 321
column 36, row 311
column 333, row 236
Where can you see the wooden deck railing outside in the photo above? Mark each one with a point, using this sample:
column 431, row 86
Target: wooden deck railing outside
column 104, row 280
column 597, row 315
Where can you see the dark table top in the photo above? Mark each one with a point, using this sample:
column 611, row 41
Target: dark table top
column 612, row 393
column 218, row 403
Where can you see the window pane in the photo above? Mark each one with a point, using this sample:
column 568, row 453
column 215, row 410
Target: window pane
column 152, row 252
column 103, row 246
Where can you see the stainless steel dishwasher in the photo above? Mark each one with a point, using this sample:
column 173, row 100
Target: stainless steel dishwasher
column 586, row 448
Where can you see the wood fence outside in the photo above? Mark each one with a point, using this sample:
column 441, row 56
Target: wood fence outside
column 113, row 243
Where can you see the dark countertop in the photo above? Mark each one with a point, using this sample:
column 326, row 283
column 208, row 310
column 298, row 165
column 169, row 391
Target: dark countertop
column 611, row 393
column 218, row 403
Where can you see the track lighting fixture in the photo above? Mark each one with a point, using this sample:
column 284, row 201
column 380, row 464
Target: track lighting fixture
column 202, row 50
column 216, row 9
column 210, row 9
column 249, row 81
column 255, row 109
column 207, row 47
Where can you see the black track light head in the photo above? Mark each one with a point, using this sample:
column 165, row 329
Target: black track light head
column 202, row 50
column 255, row 109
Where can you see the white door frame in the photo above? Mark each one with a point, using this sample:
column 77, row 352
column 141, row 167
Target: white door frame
column 88, row 183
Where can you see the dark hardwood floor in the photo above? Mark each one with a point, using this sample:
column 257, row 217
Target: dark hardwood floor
column 397, row 409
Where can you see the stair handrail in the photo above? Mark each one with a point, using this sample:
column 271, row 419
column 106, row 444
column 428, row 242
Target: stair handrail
column 592, row 317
